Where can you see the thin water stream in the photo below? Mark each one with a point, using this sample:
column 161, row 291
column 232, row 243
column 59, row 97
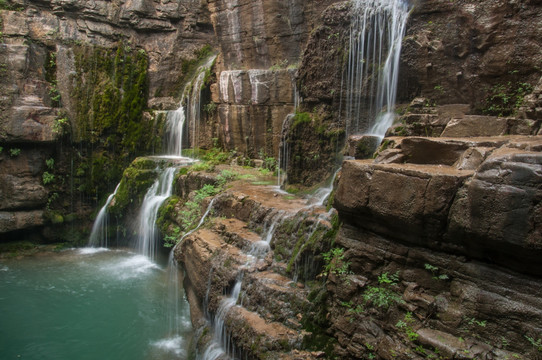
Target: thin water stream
column 89, row 304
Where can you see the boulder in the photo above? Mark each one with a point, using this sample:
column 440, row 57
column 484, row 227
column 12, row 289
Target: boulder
column 362, row 146
column 403, row 201
column 474, row 125
column 497, row 214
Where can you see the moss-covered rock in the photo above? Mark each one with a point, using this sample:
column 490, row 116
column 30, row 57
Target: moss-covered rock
column 136, row 180
column 109, row 123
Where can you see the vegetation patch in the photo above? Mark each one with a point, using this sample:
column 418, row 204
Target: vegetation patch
column 110, row 96
column 505, row 99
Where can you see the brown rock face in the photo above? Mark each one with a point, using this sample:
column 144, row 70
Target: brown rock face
column 496, row 216
column 491, row 214
column 399, row 200
column 461, row 52
column 253, row 106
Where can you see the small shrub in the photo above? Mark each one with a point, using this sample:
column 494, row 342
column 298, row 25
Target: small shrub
column 226, row 176
column 206, row 191
column 537, row 344
column 335, row 262
column 14, row 152
column 505, row 99
column 210, row 108
column 383, row 296
column 60, row 125
column 50, row 163
column 48, row 178
column 435, row 272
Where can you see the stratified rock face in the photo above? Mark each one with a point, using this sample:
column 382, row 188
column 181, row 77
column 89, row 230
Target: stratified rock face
column 497, row 215
column 492, row 213
column 27, row 115
column 253, row 106
column 169, row 31
column 82, row 71
column 228, row 252
column 463, row 52
column 446, row 305
column 258, row 34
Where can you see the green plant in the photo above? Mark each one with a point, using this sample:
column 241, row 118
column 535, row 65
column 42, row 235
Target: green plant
column 206, row 191
column 474, row 321
column 383, row 296
column 435, row 271
column 190, row 215
column 48, row 178
column 1, row 149
column 51, row 199
column 50, row 163
column 226, row 176
column 54, row 93
column 406, row 326
column 171, row 240
column 335, row 262
column 265, row 172
column 60, row 125
column 505, row 99
column 537, row 344
column 301, row 118
column 210, row 108
column 270, row 163
column 14, row 152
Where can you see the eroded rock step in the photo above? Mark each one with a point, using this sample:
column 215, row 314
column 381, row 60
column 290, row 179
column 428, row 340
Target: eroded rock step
column 485, row 202
column 267, row 321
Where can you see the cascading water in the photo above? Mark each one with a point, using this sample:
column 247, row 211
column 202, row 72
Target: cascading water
column 189, row 109
column 147, row 239
column 284, row 151
column 376, row 35
column 221, row 345
column 174, row 131
column 99, row 235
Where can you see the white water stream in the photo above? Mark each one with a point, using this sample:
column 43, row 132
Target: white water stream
column 99, row 235
column 376, row 36
column 147, row 238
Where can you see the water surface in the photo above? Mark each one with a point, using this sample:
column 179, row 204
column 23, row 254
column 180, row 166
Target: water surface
column 89, row 304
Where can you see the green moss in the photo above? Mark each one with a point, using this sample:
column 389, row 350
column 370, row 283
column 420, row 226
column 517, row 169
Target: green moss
column 134, row 184
column 110, row 96
column 301, row 118
column 315, row 322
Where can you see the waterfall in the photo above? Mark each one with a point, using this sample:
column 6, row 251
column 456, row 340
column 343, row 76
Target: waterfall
column 221, row 345
column 284, row 151
column 99, row 234
column 174, row 131
column 194, row 108
column 376, row 35
column 189, row 109
column 147, row 239
column 321, row 195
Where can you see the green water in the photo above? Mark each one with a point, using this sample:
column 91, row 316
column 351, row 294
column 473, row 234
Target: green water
column 88, row 304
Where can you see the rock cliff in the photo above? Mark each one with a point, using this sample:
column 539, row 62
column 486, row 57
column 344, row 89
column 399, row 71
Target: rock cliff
column 432, row 249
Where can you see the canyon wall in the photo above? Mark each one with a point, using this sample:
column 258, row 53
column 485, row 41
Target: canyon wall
column 80, row 82
column 438, row 252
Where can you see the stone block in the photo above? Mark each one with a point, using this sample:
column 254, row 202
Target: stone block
column 362, row 146
column 497, row 215
column 403, row 201
column 21, row 220
column 474, row 125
